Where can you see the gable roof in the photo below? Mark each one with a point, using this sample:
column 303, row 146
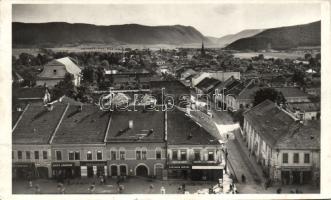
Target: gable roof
column 70, row 66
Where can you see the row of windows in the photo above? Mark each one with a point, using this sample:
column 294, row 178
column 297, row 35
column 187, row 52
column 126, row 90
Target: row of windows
column 28, row 155
column 296, row 158
column 182, row 155
column 75, row 155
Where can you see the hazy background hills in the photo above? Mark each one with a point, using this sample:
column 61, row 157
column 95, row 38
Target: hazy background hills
column 57, row 34
column 281, row 38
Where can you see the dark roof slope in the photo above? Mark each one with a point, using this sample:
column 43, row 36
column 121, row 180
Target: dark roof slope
column 85, row 126
column 148, row 126
column 171, row 87
column 37, row 125
column 270, row 121
column 29, row 93
column 182, row 130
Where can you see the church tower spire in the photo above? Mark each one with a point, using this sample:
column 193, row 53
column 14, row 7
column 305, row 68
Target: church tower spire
column 202, row 49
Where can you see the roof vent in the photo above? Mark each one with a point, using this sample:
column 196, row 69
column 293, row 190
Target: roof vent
column 312, row 137
column 151, row 131
column 19, row 109
column 49, row 107
column 189, row 136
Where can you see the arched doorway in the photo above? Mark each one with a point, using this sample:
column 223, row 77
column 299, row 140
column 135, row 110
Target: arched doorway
column 142, row 170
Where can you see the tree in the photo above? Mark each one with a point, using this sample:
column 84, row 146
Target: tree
column 299, row 77
column 64, row 87
column 269, row 93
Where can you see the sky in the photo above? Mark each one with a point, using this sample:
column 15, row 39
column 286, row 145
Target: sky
column 210, row 19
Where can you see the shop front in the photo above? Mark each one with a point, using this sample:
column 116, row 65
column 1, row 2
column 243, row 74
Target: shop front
column 65, row 170
column 299, row 175
column 207, row 173
column 24, row 171
column 93, row 168
column 179, row 171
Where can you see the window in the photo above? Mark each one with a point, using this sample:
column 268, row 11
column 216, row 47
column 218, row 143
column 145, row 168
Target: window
column 27, row 155
column 77, row 155
column 211, row 156
column 99, row 155
column 295, row 158
column 89, row 155
column 183, row 154
column 285, row 157
column 197, row 155
column 19, row 155
column 138, row 155
column 143, row 154
column 158, row 154
column 113, row 155
column 36, row 155
column 45, row 155
column 307, row 158
column 58, row 155
column 174, row 154
column 122, row 155
column 71, row 155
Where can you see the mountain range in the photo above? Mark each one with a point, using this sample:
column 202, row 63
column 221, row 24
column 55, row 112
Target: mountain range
column 281, row 38
column 57, row 34
column 61, row 33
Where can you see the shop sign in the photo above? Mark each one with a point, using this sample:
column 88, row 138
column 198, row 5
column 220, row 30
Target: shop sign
column 179, row 166
column 62, row 164
column 22, row 165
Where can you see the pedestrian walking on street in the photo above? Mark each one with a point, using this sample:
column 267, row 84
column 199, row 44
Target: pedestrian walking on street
column 63, row 189
column 162, row 190
column 243, row 178
column 279, row 190
column 183, row 187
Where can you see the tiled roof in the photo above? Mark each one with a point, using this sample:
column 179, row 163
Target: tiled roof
column 148, row 126
column 85, row 126
column 289, row 92
column 270, row 121
column 182, row 130
column 29, row 93
column 37, row 125
column 306, row 136
column 207, row 84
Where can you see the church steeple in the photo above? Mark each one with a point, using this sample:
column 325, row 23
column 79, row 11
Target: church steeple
column 202, row 49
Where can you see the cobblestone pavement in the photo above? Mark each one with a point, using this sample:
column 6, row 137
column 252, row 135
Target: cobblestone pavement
column 133, row 185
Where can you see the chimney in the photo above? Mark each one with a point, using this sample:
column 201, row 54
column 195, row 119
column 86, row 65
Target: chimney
column 80, row 108
column 19, row 109
column 130, row 124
